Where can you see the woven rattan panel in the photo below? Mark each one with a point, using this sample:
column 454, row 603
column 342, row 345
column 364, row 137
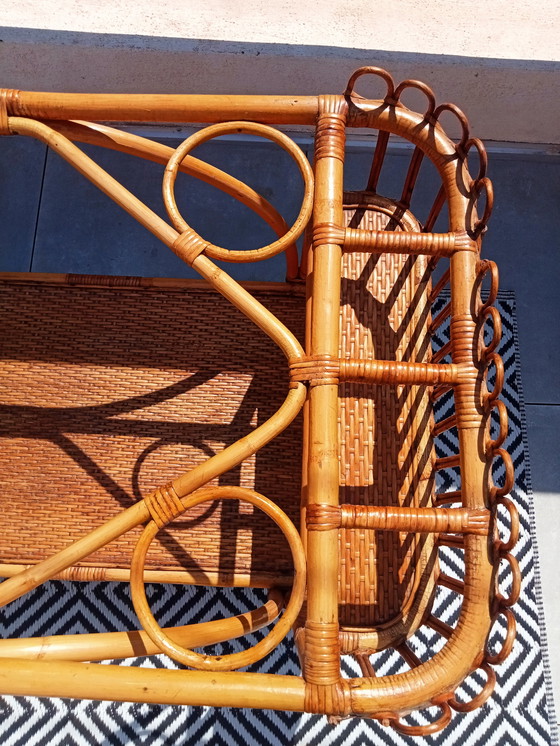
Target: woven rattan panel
column 385, row 444
column 107, row 393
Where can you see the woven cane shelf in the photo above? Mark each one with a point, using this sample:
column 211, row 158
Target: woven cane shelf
column 160, row 436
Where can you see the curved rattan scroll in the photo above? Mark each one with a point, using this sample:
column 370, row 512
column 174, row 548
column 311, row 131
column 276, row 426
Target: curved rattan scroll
column 234, row 660
column 252, row 128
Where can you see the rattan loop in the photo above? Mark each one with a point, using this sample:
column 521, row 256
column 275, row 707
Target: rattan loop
column 503, row 547
column 252, row 128
column 491, row 395
column 509, row 478
column 482, row 696
column 279, row 631
column 464, row 122
column 484, row 267
column 426, row 90
column 493, row 444
column 477, row 188
column 482, row 156
column 425, row 730
column 509, row 639
column 389, row 96
column 487, row 349
column 510, row 600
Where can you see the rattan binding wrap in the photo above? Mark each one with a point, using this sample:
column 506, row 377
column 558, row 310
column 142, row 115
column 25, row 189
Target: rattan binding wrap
column 151, row 413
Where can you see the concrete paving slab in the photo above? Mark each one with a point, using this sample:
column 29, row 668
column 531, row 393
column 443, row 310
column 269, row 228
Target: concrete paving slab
column 543, row 424
column 548, row 531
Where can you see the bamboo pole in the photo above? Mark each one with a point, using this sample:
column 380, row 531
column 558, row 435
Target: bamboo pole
column 111, row 645
column 130, row 107
column 322, row 655
column 208, row 578
column 157, row 686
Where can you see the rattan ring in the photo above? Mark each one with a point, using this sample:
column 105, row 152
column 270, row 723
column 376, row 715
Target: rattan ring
column 250, row 128
column 488, row 267
column 511, row 598
column 279, row 631
column 491, row 395
column 493, row 314
column 481, row 697
column 428, row 729
column 492, row 444
column 502, row 547
column 425, row 89
column 509, row 475
column 478, row 145
column 369, row 70
column 509, row 639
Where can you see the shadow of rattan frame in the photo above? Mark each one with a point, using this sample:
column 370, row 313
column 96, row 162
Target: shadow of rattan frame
column 339, row 243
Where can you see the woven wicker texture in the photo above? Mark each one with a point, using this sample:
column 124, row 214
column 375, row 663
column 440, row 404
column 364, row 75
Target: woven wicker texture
column 107, row 393
column 386, row 451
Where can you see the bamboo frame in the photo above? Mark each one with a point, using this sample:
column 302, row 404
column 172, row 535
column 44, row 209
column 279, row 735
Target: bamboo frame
column 315, row 376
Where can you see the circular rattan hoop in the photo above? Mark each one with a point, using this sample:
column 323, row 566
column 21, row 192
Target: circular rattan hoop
column 481, row 697
column 252, row 128
column 280, row 630
column 425, row 730
column 509, row 639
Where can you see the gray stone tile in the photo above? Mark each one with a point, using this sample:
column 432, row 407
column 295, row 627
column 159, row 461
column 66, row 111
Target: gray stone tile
column 524, row 239
column 21, row 173
column 81, row 230
column 547, row 514
column 543, row 426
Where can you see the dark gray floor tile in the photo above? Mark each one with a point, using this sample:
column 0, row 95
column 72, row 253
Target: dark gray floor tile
column 524, row 239
column 22, row 162
column 81, row 230
column 543, row 425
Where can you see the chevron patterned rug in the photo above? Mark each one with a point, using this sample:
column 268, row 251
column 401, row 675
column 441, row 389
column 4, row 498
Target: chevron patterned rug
column 521, row 710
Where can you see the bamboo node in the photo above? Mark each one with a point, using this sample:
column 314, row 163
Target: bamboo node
column 333, row 699
column 321, row 370
column 322, row 653
column 328, row 233
column 330, row 135
column 188, row 245
column 321, row 517
column 164, row 505
column 4, row 127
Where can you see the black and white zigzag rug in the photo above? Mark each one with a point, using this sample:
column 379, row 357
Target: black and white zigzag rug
column 520, row 711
